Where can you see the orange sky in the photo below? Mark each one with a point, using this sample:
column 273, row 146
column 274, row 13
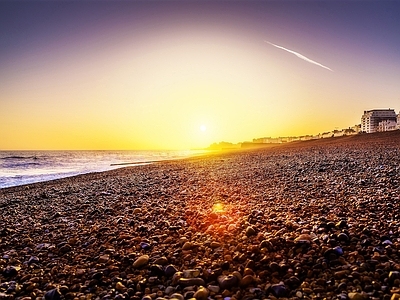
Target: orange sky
column 137, row 75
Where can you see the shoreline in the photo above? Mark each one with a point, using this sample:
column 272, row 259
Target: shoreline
column 371, row 137
column 312, row 220
column 88, row 165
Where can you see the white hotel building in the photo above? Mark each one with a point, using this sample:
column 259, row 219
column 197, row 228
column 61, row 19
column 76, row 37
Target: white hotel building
column 377, row 120
column 398, row 121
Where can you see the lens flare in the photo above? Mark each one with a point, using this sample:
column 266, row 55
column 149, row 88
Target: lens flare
column 218, row 208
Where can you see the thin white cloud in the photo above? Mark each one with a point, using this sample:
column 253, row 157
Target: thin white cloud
column 300, row 56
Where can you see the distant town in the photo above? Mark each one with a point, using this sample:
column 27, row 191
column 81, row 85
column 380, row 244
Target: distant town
column 375, row 120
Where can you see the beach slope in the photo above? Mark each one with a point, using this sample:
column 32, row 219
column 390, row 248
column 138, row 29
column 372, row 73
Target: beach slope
column 316, row 219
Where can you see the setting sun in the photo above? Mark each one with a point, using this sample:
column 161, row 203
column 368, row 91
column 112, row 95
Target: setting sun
column 184, row 75
column 200, row 149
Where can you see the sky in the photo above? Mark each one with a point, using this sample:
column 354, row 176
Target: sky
column 184, row 74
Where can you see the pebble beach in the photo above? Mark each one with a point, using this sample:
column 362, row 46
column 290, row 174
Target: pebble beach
column 305, row 220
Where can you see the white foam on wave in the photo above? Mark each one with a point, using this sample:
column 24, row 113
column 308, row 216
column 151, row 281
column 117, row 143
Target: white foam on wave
column 24, row 167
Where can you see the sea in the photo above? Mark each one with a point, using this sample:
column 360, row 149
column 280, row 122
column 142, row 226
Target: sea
column 24, row 167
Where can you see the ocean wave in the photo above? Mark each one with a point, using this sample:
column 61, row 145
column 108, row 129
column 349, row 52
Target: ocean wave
column 18, row 167
column 20, row 157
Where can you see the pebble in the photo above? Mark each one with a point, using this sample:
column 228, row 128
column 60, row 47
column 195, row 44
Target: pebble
column 248, row 271
column 103, row 259
column 303, row 238
column 170, row 270
column 237, row 275
column 274, row 267
column 356, row 296
column 191, row 273
column 342, row 237
column 176, row 277
column 213, row 288
column 341, row 274
column 227, row 282
column 120, row 287
column 215, row 245
column 393, row 275
column 33, row 260
column 53, row 294
column 169, row 290
column 188, row 246
column 161, row 261
column 98, row 275
column 279, row 290
column 145, row 246
column 177, row 296
column 201, row 294
column 157, row 270
column 65, row 248
column 191, row 281
column 10, row 271
column 141, row 262
column 250, row 231
column 247, row 280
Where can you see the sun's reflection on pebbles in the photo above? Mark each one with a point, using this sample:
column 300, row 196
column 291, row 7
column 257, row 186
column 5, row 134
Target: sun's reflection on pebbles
column 215, row 216
column 218, row 208
column 222, row 219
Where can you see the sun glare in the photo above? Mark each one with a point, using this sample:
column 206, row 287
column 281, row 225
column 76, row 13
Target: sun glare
column 218, row 208
column 203, row 128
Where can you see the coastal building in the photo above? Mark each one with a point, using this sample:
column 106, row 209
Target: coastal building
column 269, row 140
column 387, row 125
column 338, row 133
column 265, row 140
column 376, row 120
column 306, row 138
column 326, row 135
column 371, row 118
column 398, row 121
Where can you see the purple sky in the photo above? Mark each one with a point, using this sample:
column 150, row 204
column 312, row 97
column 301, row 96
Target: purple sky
column 49, row 47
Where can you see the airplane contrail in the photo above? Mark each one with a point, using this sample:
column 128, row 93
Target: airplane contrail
column 300, row 56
